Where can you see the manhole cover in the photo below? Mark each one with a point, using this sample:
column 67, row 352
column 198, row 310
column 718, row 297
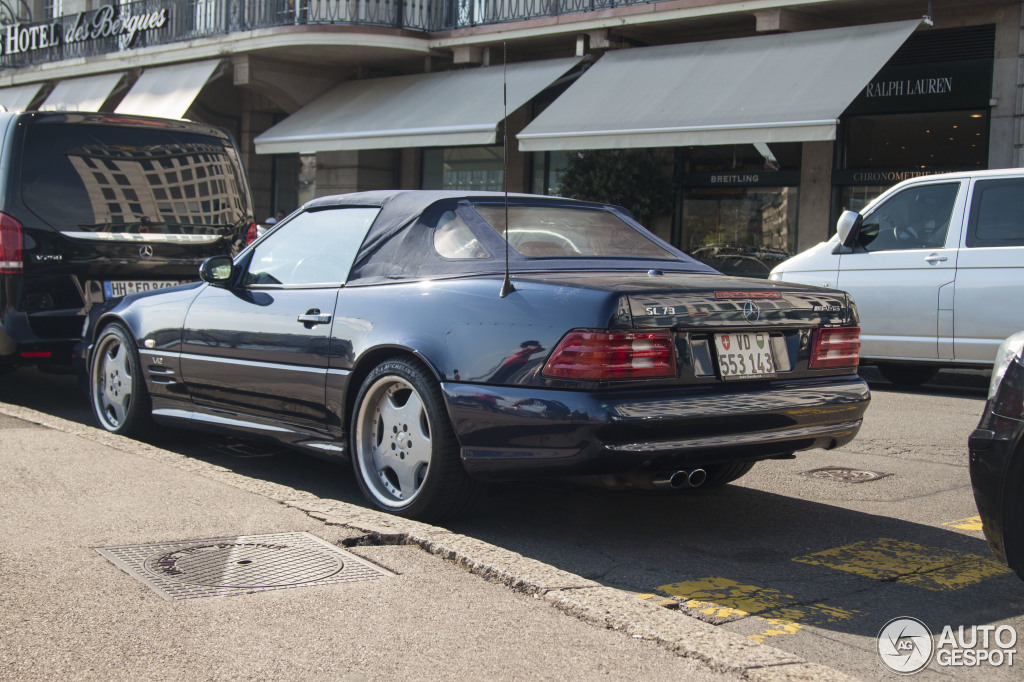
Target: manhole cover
column 845, row 475
column 225, row 566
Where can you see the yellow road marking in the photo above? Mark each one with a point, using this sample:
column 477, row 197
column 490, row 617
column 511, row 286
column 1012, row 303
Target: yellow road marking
column 930, row 568
column 970, row 523
column 721, row 598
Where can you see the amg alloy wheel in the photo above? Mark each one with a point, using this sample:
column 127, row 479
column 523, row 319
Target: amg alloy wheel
column 404, row 452
column 117, row 389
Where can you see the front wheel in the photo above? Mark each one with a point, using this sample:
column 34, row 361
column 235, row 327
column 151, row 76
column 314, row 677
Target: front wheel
column 117, row 389
column 404, row 450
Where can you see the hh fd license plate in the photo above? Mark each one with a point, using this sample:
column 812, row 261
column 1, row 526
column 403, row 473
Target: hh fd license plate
column 745, row 355
column 117, row 289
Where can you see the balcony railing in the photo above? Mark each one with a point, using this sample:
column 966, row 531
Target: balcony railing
column 128, row 25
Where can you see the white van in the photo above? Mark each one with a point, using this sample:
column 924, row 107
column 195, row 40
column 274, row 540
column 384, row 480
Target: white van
column 936, row 267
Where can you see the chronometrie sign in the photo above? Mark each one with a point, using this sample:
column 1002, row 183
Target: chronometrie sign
column 105, row 22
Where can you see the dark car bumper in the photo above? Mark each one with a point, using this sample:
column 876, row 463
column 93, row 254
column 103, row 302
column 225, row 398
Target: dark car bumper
column 991, row 453
column 508, row 432
column 997, row 469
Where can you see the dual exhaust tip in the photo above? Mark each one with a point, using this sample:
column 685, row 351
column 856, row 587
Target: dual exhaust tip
column 684, row 478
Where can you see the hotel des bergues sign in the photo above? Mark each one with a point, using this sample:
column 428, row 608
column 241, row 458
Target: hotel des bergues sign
column 106, row 22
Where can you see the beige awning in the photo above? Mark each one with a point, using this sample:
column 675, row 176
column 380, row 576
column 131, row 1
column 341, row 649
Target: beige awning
column 450, row 108
column 787, row 87
column 167, row 91
column 82, row 94
column 19, row 97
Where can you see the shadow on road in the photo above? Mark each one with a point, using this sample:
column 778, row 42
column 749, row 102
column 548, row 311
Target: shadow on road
column 789, row 552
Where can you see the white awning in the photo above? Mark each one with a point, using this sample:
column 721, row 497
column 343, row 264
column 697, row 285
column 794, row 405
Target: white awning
column 82, row 94
column 449, row 108
column 167, row 91
column 18, row 97
column 787, row 87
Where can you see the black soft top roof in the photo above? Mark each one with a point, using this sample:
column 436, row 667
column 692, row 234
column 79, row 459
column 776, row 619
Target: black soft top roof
column 399, row 245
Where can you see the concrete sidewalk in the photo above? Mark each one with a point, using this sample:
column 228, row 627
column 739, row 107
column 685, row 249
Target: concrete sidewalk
column 454, row 607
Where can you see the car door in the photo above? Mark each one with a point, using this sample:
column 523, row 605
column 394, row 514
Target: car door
column 901, row 270
column 990, row 270
column 260, row 347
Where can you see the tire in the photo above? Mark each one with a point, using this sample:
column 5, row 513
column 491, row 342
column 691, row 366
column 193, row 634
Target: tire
column 404, row 450
column 908, row 375
column 117, row 389
column 720, row 474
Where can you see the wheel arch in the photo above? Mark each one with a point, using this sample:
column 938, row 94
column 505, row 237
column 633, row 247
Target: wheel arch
column 372, row 358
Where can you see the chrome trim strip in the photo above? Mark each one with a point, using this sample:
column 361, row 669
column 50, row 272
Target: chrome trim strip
column 136, row 237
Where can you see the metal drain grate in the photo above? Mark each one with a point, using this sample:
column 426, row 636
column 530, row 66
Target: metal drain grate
column 845, row 475
column 220, row 567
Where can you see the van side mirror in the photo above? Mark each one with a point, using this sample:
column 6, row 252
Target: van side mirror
column 217, row 270
column 847, row 227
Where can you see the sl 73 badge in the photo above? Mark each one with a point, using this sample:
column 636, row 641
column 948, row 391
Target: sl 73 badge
column 654, row 310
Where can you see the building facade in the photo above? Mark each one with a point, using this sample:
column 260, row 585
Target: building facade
column 767, row 118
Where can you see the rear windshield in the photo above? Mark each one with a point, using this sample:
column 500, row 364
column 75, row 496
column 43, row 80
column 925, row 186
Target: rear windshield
column 92, row 179
column 560, row 232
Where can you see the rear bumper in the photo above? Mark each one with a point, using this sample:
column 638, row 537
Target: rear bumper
column 510, row 432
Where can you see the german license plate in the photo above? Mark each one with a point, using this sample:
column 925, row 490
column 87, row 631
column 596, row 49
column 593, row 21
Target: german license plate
column 119, row 288
column 745, row 355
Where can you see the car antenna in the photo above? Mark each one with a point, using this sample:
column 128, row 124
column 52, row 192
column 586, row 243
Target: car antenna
column 506, row 286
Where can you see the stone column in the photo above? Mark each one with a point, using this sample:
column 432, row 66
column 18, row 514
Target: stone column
column 815, row 194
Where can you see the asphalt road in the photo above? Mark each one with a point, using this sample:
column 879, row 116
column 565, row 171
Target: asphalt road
column 811, row 564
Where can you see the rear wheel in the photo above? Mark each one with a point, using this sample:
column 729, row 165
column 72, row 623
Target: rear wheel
column 908, row 375
column 720, row 474
column 117, row 389
column 404, row 450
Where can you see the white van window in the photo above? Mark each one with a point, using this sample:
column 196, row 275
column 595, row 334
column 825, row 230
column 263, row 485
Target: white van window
column 916, row 218
column 997, row 213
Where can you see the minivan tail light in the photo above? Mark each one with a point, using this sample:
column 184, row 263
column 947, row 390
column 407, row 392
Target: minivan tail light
column 835, row 347
column 11, row 245
column 612, row 355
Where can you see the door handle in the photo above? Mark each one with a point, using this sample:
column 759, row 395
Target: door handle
column 935, row 258
column 313, row 316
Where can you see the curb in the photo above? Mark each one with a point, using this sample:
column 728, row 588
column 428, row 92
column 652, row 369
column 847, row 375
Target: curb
column 720, row 650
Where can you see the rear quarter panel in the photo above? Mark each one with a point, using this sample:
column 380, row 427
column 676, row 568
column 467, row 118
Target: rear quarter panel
column 462, row 328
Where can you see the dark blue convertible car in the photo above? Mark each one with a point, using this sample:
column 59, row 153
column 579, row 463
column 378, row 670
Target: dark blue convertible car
column 396, row 330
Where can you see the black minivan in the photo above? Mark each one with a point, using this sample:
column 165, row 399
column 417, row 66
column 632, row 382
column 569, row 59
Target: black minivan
column 95, row 206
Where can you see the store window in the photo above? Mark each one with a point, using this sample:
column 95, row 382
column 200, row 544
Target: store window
column 546, row 171
column 883, row 149
column 739, row 204
column 464, row 168
column 293, row 182
column 925, row 112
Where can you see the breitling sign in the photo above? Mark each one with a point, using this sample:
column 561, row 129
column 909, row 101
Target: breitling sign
column 105, row 22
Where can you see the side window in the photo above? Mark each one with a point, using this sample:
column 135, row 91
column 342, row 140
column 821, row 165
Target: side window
column 997, row 213
column 916, row 218
column 315, row 248
column 454, row 239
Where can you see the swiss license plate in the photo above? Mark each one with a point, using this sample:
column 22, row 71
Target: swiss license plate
column 745, row 355
column 119, row 288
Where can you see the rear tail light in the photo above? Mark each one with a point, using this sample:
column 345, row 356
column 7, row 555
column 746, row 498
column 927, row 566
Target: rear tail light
column 835, row 347
column 11, row 242
column 251, row 234
column 610, row 356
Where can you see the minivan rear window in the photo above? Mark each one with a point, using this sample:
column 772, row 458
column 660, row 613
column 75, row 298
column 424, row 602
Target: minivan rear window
column 96, row 179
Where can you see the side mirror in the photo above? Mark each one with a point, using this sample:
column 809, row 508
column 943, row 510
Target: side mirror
column 847, row 227
column 217, row 270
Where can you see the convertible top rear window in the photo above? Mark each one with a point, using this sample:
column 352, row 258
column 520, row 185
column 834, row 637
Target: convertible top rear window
column 569, row 232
